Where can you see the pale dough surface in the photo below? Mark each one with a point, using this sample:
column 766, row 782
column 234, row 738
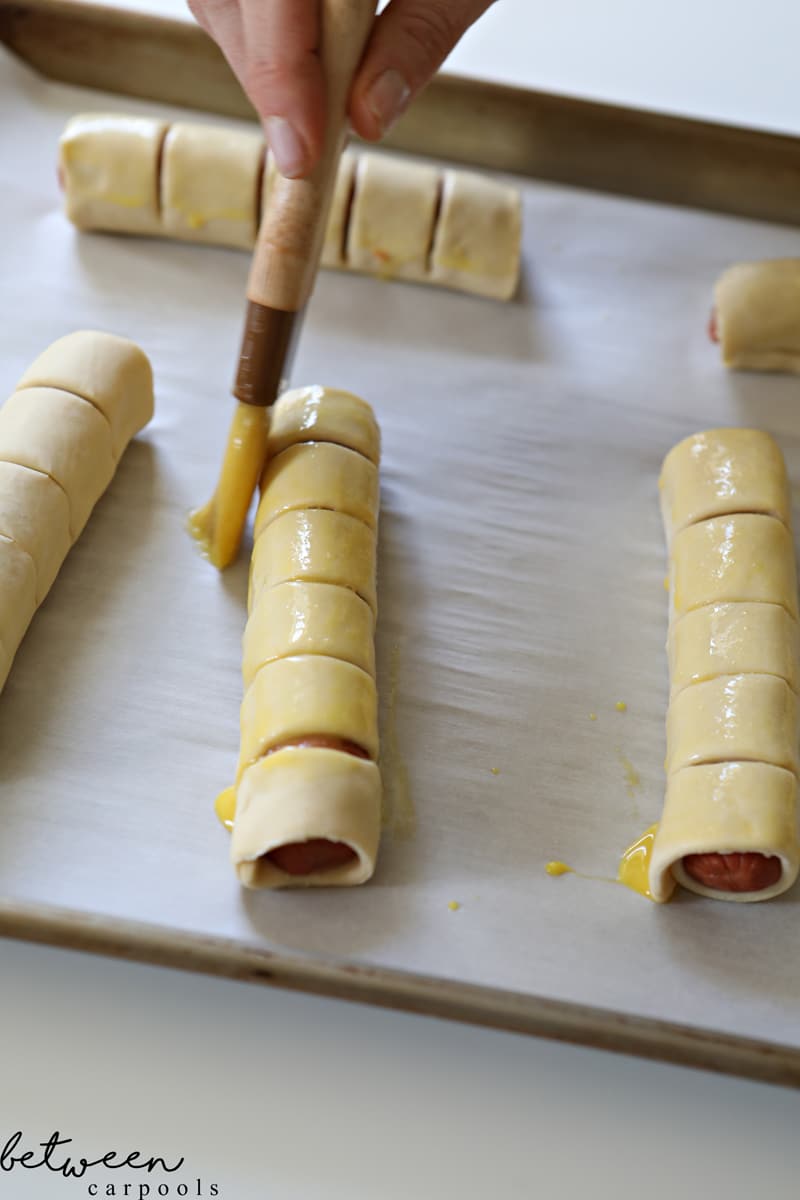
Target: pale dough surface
column 295, row 795
column 752, row 718
column 17, row 594
column 319, row 475
column 333, row 247
column 67, row 438
column 308, row 618
column 210, row 182
column 734, row 639
column 758, row 315
column 308, row 694
column 317, row 546
column 720, row 472
column 320, row 414
column 109, row 371
column 34, row 513
column 392, row 217
column 476, row 246
column 109, row 168
column 724, row 808
column 736, row 558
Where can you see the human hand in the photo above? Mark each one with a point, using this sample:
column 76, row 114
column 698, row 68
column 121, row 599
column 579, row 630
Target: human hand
column 272, row 47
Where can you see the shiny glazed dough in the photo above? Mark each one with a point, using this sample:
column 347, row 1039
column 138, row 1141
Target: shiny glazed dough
column 720, row 472
column 308, row 618
column 734, row 639
column 392, row 218
column 758, row 315
column 283, row 796
column 318, row 414
column 476, row 247
column 747, row 807
column 210, row 182
column 319, row 475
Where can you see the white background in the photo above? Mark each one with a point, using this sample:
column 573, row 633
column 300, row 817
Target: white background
column 272, row 1095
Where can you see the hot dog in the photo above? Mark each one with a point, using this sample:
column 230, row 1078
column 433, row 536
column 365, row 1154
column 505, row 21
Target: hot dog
column 734, row 872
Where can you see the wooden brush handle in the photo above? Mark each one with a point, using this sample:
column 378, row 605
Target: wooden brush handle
column 290, row 239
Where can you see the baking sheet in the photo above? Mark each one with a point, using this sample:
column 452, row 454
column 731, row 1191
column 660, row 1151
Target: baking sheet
column 521, row 569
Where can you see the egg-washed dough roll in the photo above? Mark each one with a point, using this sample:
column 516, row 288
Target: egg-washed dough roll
column 756, row 316
column 729, row 827
column 307, row 792
column 742, row 557
column 62, row 433
column 734, row 639
column 476, row 247
column 389, row 216
column 721, row 472
column 109, row 172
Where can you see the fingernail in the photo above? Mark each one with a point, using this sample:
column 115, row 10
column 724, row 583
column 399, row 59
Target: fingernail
column 388, row 98
column 287, row 147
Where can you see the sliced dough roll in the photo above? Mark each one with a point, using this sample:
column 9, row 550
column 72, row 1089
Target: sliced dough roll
column 283, row 796
column 319, row 475
column 476, row 247
column 56, row 460
column 333, row 247
column 720, row 472
column 752, row 718
column 757, row 315
column 392, row 217
column 109, row 171
column 742, row 557
column 210, row 184
column 738, row 808
column 317, row 414
column 317, row 546
column 734, row 639
column 308, row 618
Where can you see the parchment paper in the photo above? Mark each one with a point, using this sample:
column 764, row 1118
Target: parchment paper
column 521, row 589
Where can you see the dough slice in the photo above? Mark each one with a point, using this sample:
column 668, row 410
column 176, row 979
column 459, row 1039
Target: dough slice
column 320, row 414
column 757, row 315
column 308, row 618
column 319, row 475
column 17, row 595
column 333, row 248
column 109, row 172
column 737, row 558
column 477, row 244
column 734, row 639
column 308, row 695
column 720, row 472
column 392, row 217
column 210, row 183
column 316, row 546
column 34, row 513
column 109, row 371
column 296, row 795
column 752, row 718
column 732, row 807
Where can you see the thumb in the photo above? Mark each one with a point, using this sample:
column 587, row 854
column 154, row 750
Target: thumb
column 410, row 41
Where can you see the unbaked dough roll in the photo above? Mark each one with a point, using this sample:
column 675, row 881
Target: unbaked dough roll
column 734, row 639
column 333, row 247
column 56, row 460
column 210, row 184
column 742, row 557
column 317, row 546
column 756, row 318
column 476, row 247
column 732, row 809
column 392, row 217
column 318, row 414
column 319, row 475
column 109, row 172
column 720, row 472
column 283, row 796
column 308, row 618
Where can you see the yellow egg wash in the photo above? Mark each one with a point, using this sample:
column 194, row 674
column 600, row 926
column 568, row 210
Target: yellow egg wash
column 225, row 807
column 494, row 770
column 558, row 868
column 666, row 583
column 454, row 906
column 634, row 866
column 633, row 779
column 621, row 706
column 217, row 526
column 592, row 716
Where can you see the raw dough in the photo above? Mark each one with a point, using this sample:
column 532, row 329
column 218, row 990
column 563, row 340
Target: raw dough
column 476, row 247
column 734, row 639
column 333, row 248
column 109, row 171
column 317, row 414
column 392, row 217
column 308, row 618
column 758, row 315
column 17, row 594
column 34, row 513
column 210, row 182
column 319, row 475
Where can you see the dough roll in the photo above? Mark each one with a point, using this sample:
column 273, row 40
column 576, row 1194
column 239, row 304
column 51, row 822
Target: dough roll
column 729, row 828
column 389, row 216
column 756, row 316
column 308, row 789
column 62, row 433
